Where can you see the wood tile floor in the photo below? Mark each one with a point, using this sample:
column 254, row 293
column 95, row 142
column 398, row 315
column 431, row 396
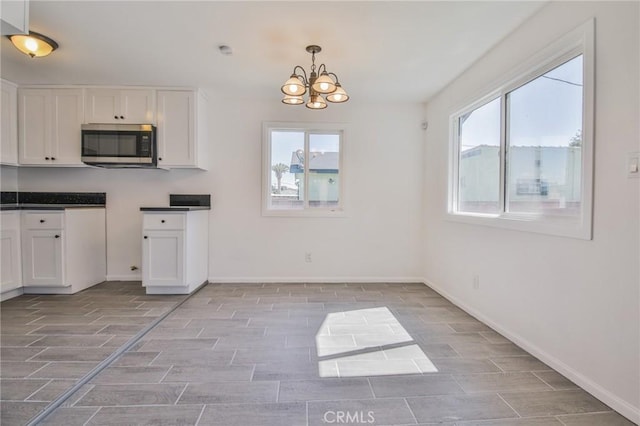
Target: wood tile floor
column 278, row 354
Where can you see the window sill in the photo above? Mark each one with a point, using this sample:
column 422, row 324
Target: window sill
column 315, row 213
column 556, row 226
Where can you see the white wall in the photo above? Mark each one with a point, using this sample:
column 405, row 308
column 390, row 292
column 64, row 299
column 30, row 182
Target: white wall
column 8, row 178
column 377, row 240
column 572, row 302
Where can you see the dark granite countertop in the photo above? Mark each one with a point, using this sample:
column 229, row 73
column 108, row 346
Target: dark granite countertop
column 5, row 207
column 174, row 208
column 12, row 200
column 183, row 203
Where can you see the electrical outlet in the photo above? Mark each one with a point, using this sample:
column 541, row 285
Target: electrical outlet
column 633, row 164
column 307, row 257
column 476, row 281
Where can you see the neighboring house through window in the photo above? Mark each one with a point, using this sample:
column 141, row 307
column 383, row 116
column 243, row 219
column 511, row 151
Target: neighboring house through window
column 522, row 156
column 302, row 166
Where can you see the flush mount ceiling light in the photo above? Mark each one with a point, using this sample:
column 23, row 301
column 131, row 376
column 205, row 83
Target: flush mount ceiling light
column 320, row 82
column 33, row 44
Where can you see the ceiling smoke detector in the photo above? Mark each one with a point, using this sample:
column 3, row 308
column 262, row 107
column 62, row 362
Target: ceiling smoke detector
column 225, row 50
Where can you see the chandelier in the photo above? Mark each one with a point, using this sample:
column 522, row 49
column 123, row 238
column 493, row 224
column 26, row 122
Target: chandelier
column 318, row 83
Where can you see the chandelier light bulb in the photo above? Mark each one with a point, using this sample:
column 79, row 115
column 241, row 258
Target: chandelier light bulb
column 293, row 86
column 338, row 96
column 316, row 102
column 31, row 44
column 324, row 84
column 292, row 100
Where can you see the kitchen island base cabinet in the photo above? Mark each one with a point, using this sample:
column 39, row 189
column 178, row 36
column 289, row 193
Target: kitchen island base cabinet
column 63, row 252
column 175, row 251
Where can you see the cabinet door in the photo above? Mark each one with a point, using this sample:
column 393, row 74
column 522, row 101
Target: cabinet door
column 163, row 258
column 68, row 115
column 42, row 258
column 10, row 274
column 176, row 128
column 136, row 106
column 9, row 125
column 34, row 125
column 102, row 106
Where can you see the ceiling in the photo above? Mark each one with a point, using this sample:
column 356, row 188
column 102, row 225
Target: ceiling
column 394, row 51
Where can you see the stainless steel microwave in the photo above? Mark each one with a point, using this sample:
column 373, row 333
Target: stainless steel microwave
column 119, row 145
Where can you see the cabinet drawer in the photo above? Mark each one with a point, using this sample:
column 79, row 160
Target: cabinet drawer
column 163, row 221
column 43, row 220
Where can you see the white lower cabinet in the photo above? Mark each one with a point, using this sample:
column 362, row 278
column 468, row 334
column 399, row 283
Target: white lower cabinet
column 164, row 255
column 10, row 273
column 64, row 251
column 174, row 251
column 43, row 257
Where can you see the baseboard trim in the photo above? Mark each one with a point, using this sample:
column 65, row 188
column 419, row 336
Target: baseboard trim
column 10, row 294
column 132, row 277
column 621, row 406
column 260, row 280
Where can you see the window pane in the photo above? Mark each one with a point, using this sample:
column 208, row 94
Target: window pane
column 544, row 143
column 324, row 170
column 287, row 170
column 479, row 160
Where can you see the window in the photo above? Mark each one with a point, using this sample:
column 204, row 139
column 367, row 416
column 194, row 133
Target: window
column 479, row 161
column 522, row 155
column 303, row 173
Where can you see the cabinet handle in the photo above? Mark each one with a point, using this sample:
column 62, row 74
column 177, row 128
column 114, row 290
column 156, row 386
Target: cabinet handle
column 162, row 221
column 57, row 236
column 145, row 237
column 53, row 158
column 115, row 116
column 160, row 159
column 46, row 158
column 122, row 117
column 42, row 221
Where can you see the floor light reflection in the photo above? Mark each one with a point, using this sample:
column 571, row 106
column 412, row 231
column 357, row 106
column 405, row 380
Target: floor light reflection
column 368, row 342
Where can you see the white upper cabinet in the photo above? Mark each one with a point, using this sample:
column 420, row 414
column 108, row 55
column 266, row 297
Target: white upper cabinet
column 9, row 125
column 68, row 115
column 181, row 129
column 44, row 126
column 49, row 123
column 14, row 17
column 125, row 106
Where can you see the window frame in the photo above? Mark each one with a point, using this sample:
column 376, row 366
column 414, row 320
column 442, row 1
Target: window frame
column 578, row 42
column 308, row 129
